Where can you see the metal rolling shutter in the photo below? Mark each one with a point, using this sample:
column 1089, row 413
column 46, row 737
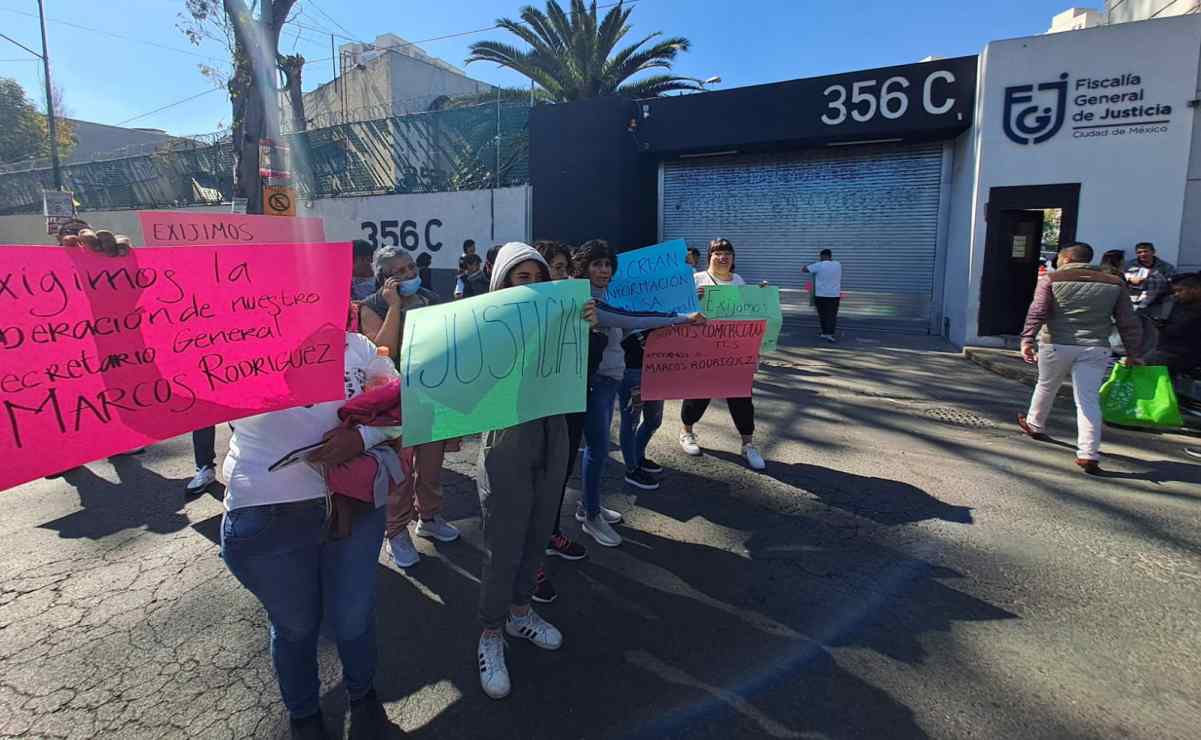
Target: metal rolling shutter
column 876, row 207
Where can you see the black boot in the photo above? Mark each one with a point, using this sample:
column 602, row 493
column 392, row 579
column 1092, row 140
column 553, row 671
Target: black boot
column 367, row 718
column 309, row 728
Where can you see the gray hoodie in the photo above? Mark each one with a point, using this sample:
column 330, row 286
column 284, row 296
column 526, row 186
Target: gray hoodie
column 511, row 255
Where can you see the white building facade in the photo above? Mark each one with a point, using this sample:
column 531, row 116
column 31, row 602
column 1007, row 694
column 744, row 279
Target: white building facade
column 1094, row 130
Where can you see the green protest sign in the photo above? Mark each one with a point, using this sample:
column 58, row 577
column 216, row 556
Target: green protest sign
column 494, row 360
column 747, row 302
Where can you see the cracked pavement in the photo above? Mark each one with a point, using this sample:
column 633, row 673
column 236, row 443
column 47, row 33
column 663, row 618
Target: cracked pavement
column 889, row 574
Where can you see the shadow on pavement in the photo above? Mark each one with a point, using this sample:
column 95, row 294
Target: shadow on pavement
column 667, row 638
column 140, row 498
column 880, row 499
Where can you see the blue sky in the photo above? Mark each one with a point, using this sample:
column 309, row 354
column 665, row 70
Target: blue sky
column 111, row 80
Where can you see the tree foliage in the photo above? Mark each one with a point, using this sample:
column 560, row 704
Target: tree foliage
column 24, row 131
column 574, row 56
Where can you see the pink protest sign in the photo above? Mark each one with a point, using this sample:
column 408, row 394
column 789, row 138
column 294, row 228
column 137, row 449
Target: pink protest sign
column 189, row 229
column 99, row 355
column 716, row 360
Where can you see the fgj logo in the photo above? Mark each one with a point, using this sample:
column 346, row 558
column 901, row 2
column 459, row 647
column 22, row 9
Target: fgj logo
column 1028, row 121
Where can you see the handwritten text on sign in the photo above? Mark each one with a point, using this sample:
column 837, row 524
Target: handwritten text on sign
column 747, row 302
column 99, row 354
column 494, row 360
column 654, row 278
column 715, row 360
column 189, row 229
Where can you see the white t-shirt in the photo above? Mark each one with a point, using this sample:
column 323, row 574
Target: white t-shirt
column 827, row 278
column 260, row 440
column 704, row 278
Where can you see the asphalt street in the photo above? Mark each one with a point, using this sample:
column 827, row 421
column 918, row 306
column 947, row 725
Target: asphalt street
column 908, row 566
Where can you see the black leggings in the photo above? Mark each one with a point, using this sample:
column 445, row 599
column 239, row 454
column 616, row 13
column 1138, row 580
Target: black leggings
column 742, row 411
column 575, row 433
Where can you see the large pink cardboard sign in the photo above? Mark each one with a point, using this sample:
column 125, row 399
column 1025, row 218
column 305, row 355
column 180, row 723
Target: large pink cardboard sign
column 715, row 360
column 188, row 229
column 99, row 355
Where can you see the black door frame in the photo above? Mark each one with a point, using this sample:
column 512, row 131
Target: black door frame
column 1065, row 196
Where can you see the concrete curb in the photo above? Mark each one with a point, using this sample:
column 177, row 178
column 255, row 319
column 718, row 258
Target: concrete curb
column 1007, row 364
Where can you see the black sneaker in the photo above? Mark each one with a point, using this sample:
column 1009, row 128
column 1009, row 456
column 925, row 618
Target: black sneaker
column 367, row 718
column 651, row 466
column 309, row 728
column 561, row 546
column 641, row 479
column 544, row 591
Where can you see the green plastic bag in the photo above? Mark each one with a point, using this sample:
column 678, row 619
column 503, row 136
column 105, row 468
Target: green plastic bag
column 1140, row 396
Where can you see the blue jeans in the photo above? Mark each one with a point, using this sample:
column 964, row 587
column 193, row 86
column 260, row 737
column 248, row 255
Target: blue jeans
column 280, row 554
column 635, row 436
column 597, row 421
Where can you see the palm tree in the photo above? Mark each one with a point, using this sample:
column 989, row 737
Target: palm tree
column 573, row 58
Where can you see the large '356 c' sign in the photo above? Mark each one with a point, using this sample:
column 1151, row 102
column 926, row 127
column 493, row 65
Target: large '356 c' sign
column 890, row 98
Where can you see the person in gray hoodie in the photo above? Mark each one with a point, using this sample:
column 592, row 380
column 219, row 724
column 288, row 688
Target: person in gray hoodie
column 519, row 474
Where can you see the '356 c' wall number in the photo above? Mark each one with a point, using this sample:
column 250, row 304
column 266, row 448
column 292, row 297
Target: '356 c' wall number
column 392, row 233
column 864, row 100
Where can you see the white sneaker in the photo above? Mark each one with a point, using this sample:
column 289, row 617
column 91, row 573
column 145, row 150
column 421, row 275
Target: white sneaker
column 535, row 629
column 437, row 529
column 609, row 515
column 753, row 458
column 404, row 554
column 494, row 674
column 688, row 442
column 205, row 477
column 601, row 531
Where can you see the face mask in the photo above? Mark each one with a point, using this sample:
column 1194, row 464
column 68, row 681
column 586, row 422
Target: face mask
column 409, row 287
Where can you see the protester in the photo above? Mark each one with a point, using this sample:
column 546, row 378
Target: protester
column 597, row 262
column 742, row 410
column 557, row 256
column 274, row 540
column 1071, row 314
column 472, row 281
column 827, row 291
column 362, row 282
column 639, row 419
column 424, row 260
column 519, row 473
column 77, row 233
column 468, row 247
column 693, row 258
column 383, row 317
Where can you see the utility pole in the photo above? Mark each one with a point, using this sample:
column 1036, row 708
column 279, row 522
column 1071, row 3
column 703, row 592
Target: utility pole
column 58, row 175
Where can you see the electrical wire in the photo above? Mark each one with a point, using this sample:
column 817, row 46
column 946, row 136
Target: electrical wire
column 169, row 105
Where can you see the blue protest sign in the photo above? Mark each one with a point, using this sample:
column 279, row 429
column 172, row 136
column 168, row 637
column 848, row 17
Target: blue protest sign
column 654, row 278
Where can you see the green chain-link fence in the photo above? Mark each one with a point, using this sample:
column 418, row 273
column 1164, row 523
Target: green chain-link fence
column 457, row 149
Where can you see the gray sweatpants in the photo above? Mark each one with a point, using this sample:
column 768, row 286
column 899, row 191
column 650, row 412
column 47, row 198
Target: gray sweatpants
column 521, row 472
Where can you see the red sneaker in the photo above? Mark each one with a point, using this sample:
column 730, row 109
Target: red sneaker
column 560, row 546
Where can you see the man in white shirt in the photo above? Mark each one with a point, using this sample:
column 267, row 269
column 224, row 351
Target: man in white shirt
column 827, row 289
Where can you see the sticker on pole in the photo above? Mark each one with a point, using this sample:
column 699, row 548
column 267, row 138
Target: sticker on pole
column 279, row 201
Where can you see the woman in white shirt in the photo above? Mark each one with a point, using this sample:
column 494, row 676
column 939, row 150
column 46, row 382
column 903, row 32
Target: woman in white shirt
column 720, row 272
column 274, row 541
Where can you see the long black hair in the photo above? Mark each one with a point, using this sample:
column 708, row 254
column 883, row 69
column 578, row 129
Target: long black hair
column 721, row 244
